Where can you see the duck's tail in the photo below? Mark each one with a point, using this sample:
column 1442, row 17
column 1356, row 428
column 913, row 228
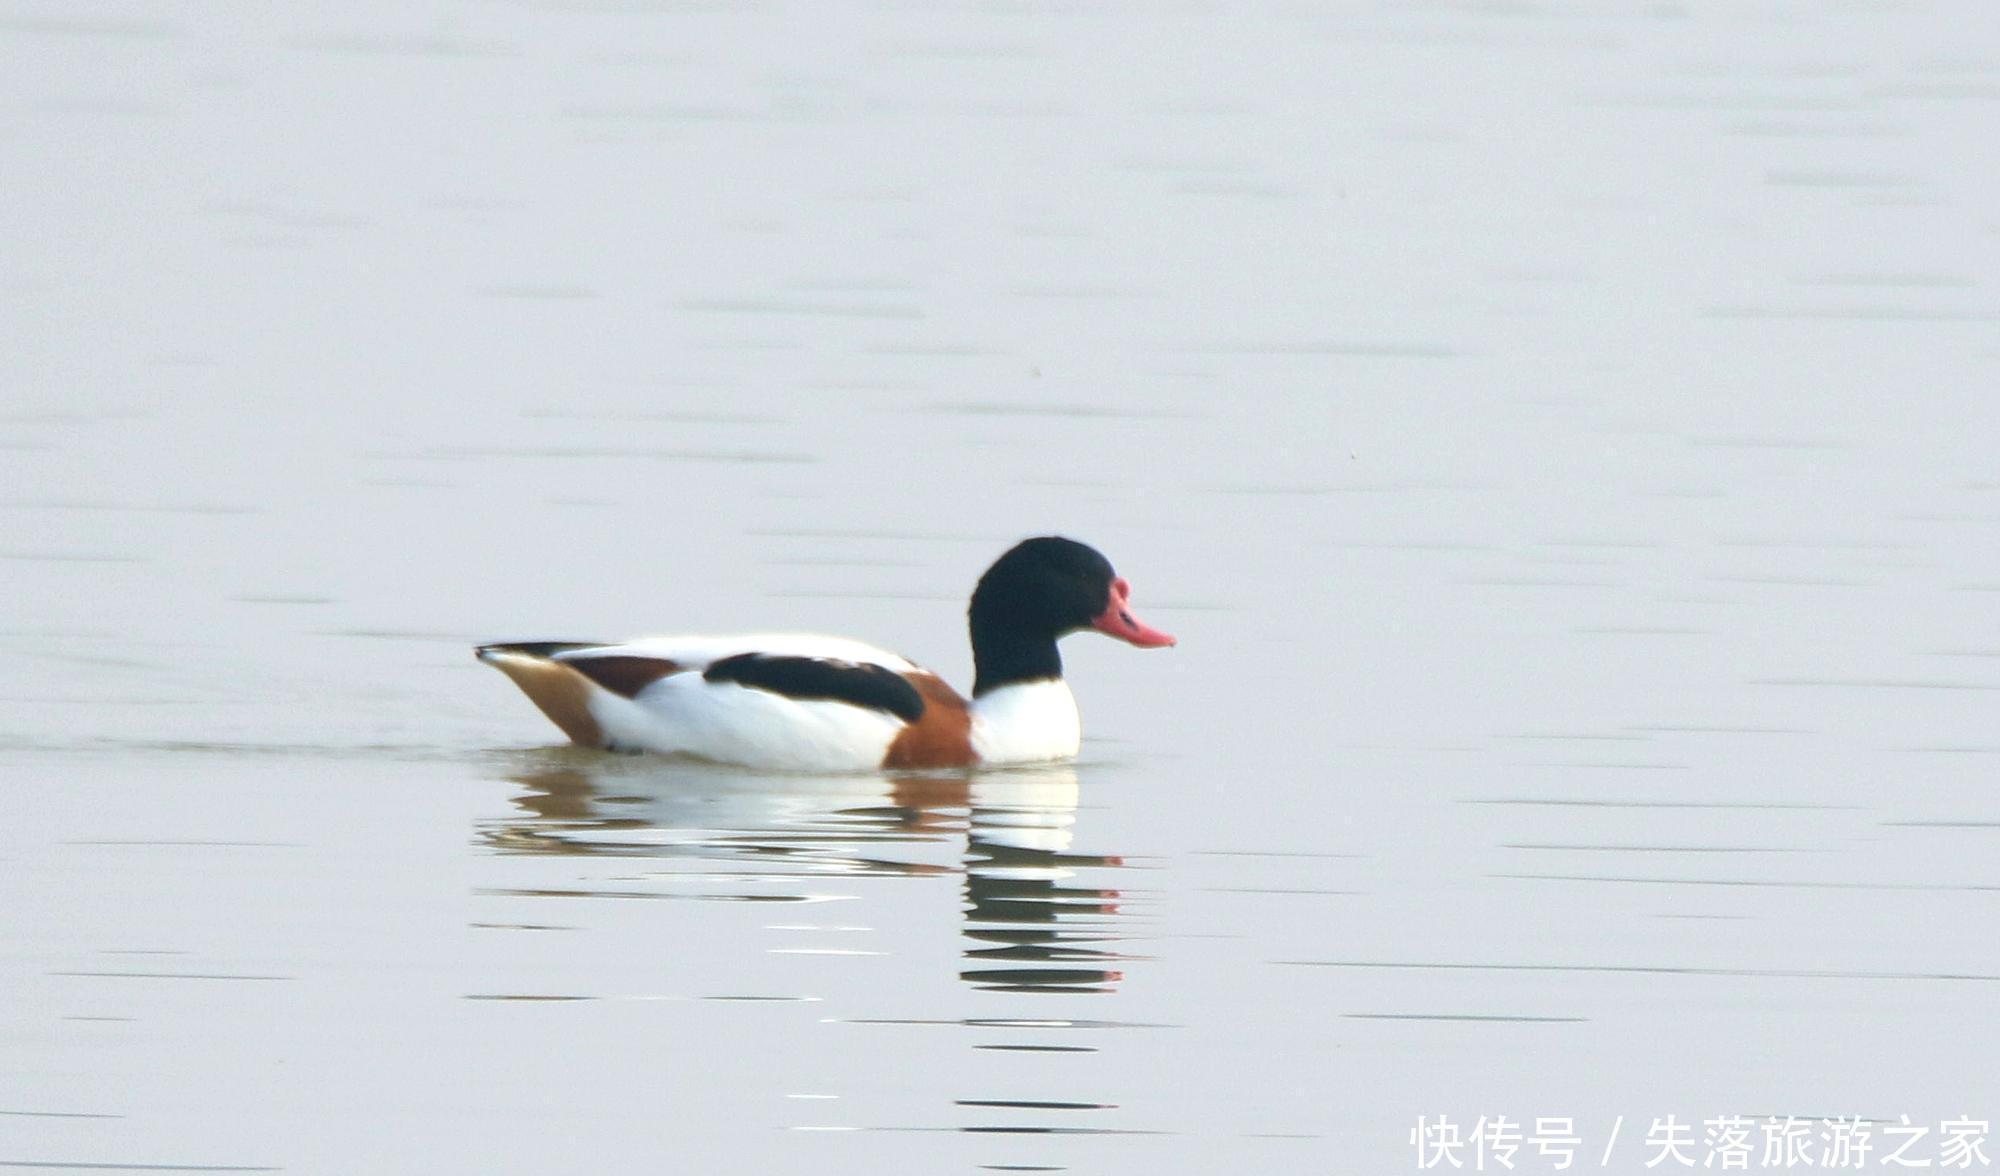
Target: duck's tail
column 561, row 693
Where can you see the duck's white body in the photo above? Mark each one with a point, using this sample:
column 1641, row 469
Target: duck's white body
column 804, row 702
column 685, row 713
column 725, row 721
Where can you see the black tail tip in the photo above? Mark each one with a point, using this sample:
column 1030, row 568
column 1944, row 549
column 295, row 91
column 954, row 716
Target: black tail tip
column 530, row 648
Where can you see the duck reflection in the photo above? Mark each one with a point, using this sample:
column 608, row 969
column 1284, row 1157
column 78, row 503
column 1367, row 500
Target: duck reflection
column 1032, row 922
column 1034, row 927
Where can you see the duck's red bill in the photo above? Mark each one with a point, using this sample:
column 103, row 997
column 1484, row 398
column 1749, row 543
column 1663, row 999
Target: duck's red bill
column 1117, row 621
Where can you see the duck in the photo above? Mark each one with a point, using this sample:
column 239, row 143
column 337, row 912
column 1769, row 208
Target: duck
column 812, row 703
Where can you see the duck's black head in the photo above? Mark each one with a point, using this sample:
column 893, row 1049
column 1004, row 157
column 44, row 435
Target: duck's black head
column 1040, row 590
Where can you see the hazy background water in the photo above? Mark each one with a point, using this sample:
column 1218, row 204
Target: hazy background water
column 1561, row 435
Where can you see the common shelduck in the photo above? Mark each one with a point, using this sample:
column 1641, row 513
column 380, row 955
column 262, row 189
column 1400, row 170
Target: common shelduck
column 808, row 703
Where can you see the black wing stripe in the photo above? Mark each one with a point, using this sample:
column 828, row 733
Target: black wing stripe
column 856, row 683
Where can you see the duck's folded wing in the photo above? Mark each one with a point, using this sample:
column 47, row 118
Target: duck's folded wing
column 698, row 653
column 820, row 679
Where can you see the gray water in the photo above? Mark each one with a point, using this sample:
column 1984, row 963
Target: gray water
column 1562, row 437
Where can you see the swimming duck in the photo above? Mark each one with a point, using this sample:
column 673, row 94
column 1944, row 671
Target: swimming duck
column 802, row 702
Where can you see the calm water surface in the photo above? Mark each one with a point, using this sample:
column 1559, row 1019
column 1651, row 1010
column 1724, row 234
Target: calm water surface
column 1562, row 436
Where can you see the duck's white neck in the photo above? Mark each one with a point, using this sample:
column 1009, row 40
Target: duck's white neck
column 1024, row 722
